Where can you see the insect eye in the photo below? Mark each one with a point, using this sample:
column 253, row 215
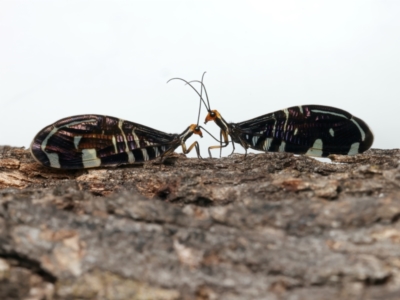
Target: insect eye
column 212, row 114
column 197, row 128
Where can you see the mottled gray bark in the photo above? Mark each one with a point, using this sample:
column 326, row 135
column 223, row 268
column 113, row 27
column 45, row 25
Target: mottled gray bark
column 271, row 226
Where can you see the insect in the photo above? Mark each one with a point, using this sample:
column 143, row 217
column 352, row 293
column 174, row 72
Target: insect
column 313, row 130
column 89, row 141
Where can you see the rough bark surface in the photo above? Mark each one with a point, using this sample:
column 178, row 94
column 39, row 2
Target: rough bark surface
column 271, row 226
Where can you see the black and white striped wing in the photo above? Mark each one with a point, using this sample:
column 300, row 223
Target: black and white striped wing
column 313, row 130
column 88, row 141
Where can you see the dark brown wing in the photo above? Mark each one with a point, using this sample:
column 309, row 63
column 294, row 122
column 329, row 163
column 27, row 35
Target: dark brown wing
column 308, row 129
column 87, row 141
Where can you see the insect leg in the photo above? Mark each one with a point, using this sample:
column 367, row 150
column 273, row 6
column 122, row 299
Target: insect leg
column 224, row 136
column 220, row 143
column 195, row 144
column 233, row 150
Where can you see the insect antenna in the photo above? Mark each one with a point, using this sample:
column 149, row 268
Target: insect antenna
column 201, row 95
column 188, row 83
column 202, row 128
column 203, row 86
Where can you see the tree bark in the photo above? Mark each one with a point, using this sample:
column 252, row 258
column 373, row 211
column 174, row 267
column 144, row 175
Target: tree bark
column 268, row 226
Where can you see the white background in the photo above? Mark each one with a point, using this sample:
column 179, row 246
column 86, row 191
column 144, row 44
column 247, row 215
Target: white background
column 63, row 58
